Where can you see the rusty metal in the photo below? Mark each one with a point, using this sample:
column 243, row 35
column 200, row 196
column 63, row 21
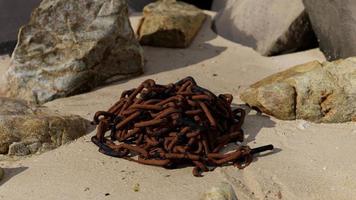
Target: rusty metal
column 172, row 125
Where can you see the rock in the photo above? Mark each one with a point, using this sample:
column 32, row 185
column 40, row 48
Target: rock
column 317, row 92
column 334, row 25
column 18, row 149
column 223, row 191
column 25, row 128
column 34, row 147
column 270, row 27
column 168, row 23
column 72, row 46
column 2, row 173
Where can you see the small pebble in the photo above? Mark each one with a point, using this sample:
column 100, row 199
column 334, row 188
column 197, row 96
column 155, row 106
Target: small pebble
column 279, row 195
column 303, row 125
column 136, row 187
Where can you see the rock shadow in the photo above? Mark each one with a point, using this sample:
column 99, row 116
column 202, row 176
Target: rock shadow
column 161, row 59
column 11, row 172
column 165, row 59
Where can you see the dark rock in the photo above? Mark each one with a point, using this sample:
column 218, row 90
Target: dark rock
column 334, row 23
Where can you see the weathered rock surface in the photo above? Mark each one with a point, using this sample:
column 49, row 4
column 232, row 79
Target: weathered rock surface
column 26, row 129
column 313, row 91
column 168, row 23
column 270, row 27
column 334, row 23
column 223, row 191
column 71, row 46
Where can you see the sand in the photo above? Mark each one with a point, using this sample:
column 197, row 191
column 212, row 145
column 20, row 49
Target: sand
column 311, row 161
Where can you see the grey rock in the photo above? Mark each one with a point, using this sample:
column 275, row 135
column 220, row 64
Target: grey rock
column 23, row 131
column 334, row 23
column 18, row 149
column 317, row 92
column 168, row 23
column 72, row 46
column 270, row 27
column 34, row 147
column 223, row 191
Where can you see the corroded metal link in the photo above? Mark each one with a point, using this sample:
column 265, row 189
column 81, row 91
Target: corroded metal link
column 169, row 125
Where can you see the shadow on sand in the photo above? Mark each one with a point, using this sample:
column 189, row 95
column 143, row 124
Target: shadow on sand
column 158, row 59
column 11, row 172
column 252, row 127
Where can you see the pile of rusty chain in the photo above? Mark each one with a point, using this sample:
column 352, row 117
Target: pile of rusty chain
column 170, row 125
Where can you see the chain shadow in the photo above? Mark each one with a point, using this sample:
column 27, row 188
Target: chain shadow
column 254, row 122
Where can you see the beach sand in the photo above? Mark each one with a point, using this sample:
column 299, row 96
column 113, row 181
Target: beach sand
column 311, row 161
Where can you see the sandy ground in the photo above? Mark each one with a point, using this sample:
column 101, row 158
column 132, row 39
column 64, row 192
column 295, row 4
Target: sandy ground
column 311, row 161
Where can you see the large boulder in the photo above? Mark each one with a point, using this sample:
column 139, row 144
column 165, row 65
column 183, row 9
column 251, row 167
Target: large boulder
column 168, row 23
column 27, row 129
column 270, row 27
column 334, row 23
column 71, row 46
column 318, row 92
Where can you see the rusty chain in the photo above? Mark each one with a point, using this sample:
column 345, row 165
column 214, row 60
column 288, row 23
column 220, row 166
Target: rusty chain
column 171, row 125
